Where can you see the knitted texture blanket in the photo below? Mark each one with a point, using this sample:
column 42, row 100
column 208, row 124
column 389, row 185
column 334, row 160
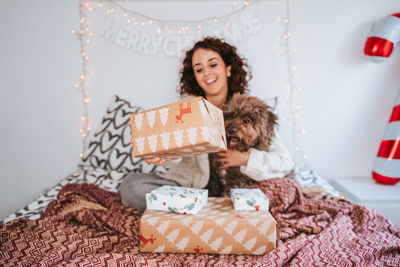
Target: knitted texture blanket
column 88, row 226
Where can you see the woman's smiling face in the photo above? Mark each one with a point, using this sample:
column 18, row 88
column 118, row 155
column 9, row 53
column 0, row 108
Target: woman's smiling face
column 211, row 72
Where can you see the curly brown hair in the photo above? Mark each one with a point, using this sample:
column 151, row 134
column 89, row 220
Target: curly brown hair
column 240, row 71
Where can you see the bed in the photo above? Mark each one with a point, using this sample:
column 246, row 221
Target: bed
column 81, row 221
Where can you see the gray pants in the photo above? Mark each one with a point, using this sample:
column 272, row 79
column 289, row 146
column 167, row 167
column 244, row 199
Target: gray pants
column 134, row 187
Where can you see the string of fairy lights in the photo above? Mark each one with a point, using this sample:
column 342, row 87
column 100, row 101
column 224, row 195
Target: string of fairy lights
column 284, row 47
column 178, row 26
column 84, row 33
column 161, row 26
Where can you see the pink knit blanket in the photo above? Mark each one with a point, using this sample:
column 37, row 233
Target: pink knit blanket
column 88, row 226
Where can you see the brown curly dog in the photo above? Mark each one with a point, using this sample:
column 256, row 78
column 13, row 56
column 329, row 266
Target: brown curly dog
column 249, row 122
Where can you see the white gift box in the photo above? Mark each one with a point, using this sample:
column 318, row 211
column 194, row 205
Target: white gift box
column 177, row 199
column 249, row 199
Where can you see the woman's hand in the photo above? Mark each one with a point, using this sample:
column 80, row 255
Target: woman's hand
column 156, row 161
column 232, row 158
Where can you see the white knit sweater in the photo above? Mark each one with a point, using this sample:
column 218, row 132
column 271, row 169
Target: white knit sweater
column 194, row 171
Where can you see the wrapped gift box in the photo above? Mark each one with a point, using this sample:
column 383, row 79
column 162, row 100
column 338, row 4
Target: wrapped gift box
column 217, row 228
column 192, row 126
column 177, row 199
column 249, row 199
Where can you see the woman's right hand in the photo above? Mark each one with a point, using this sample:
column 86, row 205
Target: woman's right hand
column 156, row 161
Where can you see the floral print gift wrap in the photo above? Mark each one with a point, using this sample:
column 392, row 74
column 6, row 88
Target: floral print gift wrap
column 249, row 199
column 177, row 199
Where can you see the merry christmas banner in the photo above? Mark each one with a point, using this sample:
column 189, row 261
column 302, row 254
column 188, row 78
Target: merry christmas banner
column 147, row 35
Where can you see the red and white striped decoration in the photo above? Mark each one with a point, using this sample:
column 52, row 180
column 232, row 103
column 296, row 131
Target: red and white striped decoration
column 379, row 46
column 384, row 36
column 386, row 168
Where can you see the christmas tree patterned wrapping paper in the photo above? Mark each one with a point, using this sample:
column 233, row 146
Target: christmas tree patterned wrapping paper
column 249, row 199
column 217, row 228
column 177, row 199
column 189, row 127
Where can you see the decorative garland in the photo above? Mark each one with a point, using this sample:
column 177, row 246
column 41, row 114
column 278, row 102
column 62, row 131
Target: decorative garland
column 148, row 35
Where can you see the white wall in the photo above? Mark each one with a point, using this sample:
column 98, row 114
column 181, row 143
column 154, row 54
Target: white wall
column 345, row 102
column 39, row 108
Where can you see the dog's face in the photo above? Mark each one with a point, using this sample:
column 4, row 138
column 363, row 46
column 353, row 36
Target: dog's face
column 249, row 122
column 241, row 132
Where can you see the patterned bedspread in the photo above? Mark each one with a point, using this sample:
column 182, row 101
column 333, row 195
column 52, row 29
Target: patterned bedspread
column 88, row 226
column 111, row 179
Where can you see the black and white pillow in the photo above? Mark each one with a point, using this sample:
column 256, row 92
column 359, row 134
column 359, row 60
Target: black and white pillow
column 307, row 177
column 109, row 148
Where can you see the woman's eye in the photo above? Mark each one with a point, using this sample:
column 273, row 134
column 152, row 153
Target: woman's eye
column 198, row 70
column 213, row 65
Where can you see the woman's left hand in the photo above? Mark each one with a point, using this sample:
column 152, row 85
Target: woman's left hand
column 232, row 158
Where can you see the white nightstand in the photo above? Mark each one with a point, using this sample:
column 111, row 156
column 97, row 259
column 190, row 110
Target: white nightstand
column 364, row 191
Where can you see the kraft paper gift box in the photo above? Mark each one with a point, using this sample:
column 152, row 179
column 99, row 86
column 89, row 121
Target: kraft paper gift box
column 177, row 199
column 217, row 228
column 249, row 199
column 191, row 126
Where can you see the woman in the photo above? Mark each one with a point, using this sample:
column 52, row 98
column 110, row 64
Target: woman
column 211, row 69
